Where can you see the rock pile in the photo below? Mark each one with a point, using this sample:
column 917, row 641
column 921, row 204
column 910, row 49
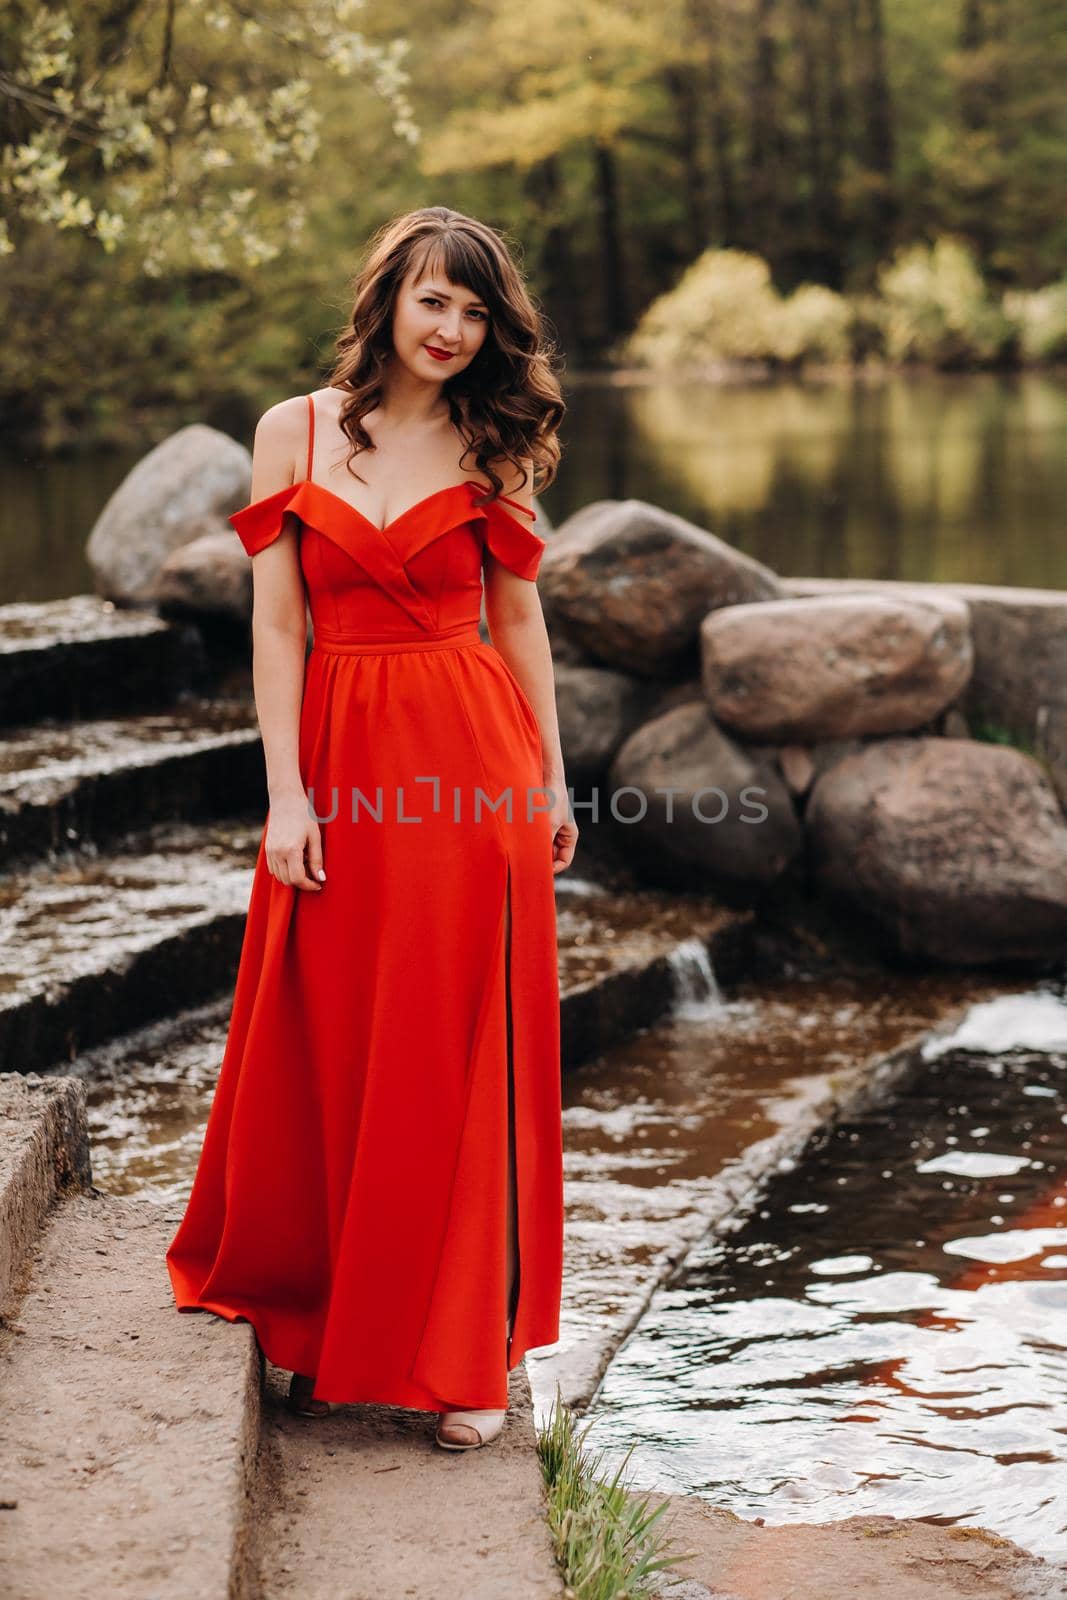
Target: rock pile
column 739, row 732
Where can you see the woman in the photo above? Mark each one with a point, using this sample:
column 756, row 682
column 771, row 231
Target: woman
column 380, row 1187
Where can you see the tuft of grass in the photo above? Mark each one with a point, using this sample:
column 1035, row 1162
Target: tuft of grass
column 996, row 733
column 606, row 1545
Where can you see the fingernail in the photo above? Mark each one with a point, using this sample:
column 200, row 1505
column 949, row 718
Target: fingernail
column 321, row 875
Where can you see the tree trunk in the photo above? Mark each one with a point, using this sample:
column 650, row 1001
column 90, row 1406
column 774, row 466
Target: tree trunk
column 614, row 307
column 719, row 133
column 879, row 144
column 559, row 274
column 682, row 87
column 762, row 227
column 818, row 254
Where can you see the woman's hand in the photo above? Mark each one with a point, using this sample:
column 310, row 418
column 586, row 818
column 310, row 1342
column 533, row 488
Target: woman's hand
column 292, row 830
column 564, row 829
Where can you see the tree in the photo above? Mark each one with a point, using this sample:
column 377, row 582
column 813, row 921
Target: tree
column 177, row 128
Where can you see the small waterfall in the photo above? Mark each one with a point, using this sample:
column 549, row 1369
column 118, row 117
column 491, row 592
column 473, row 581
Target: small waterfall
column 696, row 993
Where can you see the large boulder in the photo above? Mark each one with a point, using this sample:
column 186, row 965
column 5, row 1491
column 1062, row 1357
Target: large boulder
column 955, row 849
column 727, row 826
column 597, row 710
column 185, row 487
column 835, row 668
column 211, row 575
column 631, row 584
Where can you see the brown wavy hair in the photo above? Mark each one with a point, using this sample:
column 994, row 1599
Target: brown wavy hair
column 507, row 403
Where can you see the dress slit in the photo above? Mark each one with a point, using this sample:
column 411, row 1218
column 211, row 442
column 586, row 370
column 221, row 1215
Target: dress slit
column 512, row 1164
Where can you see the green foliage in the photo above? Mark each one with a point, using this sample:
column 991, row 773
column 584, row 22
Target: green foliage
column 938, row 310
column 121, row 360
column 188, row 149
column 721, row 309
column 931, row 306
column 812, row 324
column 997, row 151
column 606, row 1544
column 1041, row 317
column 725, row 308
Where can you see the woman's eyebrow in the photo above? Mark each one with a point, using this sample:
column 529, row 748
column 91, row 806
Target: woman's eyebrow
column 444, row 294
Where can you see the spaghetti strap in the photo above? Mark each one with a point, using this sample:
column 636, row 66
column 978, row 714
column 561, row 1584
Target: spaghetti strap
column 524, row 509
column 311, row 435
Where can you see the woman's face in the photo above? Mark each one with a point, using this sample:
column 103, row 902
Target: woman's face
column 437, row 315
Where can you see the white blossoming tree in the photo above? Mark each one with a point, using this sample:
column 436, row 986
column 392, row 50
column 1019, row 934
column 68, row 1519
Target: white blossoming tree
column 164, row 125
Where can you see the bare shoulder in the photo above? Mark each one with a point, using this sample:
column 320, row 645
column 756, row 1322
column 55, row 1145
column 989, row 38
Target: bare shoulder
column 280, row 446
column 284, row 424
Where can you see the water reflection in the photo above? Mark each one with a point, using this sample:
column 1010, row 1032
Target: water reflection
column 950, row 477
column 886, row 1333
column 947, row 477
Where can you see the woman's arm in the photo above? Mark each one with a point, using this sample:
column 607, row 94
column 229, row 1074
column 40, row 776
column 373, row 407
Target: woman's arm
column 517, row 628
column 279, row 644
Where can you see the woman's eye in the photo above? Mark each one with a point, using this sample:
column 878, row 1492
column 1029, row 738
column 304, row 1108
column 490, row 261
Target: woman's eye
column 432, row 300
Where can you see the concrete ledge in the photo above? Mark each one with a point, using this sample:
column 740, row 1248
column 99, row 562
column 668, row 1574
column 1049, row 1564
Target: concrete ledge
column 44, row 1149
column 128, row 1430
column 737, row 1558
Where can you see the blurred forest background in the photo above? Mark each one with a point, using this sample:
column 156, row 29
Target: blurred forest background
column 803, row 259
column 188, row 183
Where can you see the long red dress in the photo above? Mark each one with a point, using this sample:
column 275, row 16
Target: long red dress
column 351, row 1195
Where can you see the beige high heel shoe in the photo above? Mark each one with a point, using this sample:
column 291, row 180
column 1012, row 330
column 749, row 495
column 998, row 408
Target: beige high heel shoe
column 300, row 1402
column 485, row 1425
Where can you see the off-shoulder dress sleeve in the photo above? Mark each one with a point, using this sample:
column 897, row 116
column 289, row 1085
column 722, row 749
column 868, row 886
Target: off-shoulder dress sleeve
column 257, row 525
column 510, row 541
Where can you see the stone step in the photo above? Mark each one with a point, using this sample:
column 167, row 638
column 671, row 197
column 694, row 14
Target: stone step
column 99, row 945
column 619, row 953
column 137, row 1458
column 44, row 1150
column 128, row 1430
column 86, row 657
column 363, row 1504
column 66, row 785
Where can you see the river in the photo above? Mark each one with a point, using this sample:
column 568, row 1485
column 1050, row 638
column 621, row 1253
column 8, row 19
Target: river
column 940, row 477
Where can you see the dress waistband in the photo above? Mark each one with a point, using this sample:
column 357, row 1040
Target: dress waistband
column 332, row 642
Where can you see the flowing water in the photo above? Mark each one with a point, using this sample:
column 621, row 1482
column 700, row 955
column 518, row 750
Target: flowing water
column 886, row 1331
